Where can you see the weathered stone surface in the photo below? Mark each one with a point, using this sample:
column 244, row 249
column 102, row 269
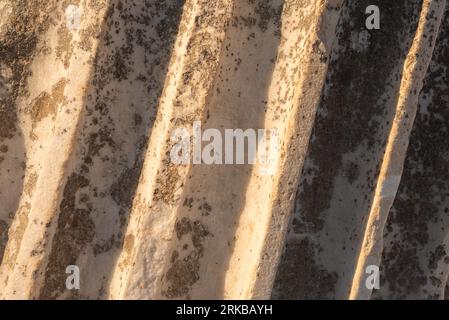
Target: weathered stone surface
column 88, row 106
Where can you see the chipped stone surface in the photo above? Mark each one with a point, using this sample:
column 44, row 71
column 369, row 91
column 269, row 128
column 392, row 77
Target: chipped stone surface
column 90, row 91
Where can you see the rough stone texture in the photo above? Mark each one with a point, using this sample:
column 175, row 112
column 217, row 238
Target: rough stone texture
column 363, row 164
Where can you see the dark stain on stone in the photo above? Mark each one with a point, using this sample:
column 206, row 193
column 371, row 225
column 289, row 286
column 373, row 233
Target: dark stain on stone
column 123, row 190
column 401, row 271
column 299, row 277
column 184, row 272
column 205, row 209
column 267, row 13
column 3, row 238
column 167, row 181
column 437, row 256
column 75, row 230
column 352, row 171
column 319, row 51
column 107, row 245
column 46, row 104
